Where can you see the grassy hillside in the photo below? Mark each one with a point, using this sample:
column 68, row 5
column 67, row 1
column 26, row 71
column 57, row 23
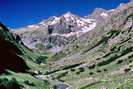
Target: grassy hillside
column 15, row 57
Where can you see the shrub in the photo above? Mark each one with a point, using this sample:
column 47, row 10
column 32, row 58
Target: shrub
column 105, row 70
column 77, row 72
column 61, row 75
column 50, row 72
column 130, row 61
column 72, row 69
column 98, row 71
column 92, row 66
column 55, row 87
column 111, row 59
column 119, row 61
column 114, row 32
column 98, row 59
column 106, row 55
column 9, row 84
column 128, row 50
column 29, row 83
column 115, row 48
column 81, row 69
column 41, row 59
column 114, row 57
column 91, row 73
column 71, row 66
column 131, row 56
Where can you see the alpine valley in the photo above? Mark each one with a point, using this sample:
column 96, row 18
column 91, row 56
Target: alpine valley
column 70, row 52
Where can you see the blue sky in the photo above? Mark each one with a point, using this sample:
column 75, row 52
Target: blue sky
column 19, row 13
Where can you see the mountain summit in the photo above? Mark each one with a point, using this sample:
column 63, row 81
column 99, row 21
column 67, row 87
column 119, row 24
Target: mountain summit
column 56, row 32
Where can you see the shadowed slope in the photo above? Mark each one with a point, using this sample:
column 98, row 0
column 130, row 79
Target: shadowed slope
column 9, row 53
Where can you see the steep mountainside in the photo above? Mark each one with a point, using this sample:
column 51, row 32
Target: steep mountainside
column 15, row 58
column 10, row 53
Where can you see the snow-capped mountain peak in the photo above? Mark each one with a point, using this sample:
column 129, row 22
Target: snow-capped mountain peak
column 68, row 14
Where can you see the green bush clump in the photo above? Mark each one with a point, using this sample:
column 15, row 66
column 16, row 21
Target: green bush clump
column 72, row 69
column 10, row 84
column 111, row 34
column 119, row 61
column 41, row 59
column 131, row 56
column 77, row 72
column 62, row 75
column 92, row 66
column 50, row 72
column 55, row 87
column 111, row 59
column 98, row 71
column 91, row 73
column 105, row 70
column 71, row 66
column 114, row 32
column 106, row 55
column 130, row 61
column 115, row 48
column 98, row 59
column 81, row 69
column 29, row 83
column 127, row 50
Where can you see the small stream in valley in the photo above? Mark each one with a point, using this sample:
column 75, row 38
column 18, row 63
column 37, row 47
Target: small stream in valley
column 59, row 84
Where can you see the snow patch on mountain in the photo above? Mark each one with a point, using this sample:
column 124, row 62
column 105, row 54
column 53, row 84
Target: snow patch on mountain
column 86, row 29
column 55, row 20
column 112, row 10
column 69, row 16
column 104, row 14
column 78, row 33
column 33, row 26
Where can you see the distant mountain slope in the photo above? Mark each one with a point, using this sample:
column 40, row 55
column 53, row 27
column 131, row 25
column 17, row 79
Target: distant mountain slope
column 56, row 32
column 115, row 31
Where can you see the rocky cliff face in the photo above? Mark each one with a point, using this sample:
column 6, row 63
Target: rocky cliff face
column 56, row 32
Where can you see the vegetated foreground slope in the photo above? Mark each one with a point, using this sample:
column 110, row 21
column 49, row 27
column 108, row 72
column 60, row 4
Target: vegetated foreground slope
column 10, row 53
column 14, row 57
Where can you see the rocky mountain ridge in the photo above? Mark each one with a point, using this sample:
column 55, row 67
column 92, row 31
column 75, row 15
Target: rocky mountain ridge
column 56, row 32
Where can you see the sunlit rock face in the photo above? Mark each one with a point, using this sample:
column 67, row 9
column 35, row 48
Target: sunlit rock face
column 57, row 32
